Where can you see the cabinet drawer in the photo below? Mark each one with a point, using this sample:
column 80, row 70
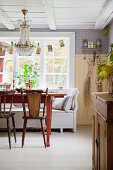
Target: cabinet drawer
column 101, row 107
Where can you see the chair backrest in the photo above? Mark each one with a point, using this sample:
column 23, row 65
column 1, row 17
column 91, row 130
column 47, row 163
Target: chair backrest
column 33, row 100
column 6, row 97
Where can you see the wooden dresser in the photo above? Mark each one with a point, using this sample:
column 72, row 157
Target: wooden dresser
column 102, row 131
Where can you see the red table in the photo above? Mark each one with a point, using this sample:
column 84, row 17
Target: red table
column 18, row 99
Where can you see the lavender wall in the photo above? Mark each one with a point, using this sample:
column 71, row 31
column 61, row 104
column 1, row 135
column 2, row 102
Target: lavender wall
column 81, row 34
column 91, row 35
column 110, row 35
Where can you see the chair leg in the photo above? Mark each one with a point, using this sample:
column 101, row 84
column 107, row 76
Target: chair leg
column 45, row 125
column 9, row 137
column 43, row 132
column 14, row 130
column 24, row 132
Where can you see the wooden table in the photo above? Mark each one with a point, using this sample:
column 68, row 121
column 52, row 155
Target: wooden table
column 18, row 99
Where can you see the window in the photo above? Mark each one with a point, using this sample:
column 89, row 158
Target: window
column 56, row 59
column 54, row 63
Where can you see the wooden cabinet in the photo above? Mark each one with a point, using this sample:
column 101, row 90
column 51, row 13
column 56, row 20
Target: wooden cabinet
column 102, row 157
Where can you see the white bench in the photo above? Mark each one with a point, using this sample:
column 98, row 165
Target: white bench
column 63, row 120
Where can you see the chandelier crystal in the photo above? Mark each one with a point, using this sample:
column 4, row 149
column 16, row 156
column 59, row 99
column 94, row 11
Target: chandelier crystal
column 24, row 46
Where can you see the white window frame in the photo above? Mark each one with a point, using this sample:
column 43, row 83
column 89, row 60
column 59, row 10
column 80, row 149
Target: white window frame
column 53, row 39
column 14, row 36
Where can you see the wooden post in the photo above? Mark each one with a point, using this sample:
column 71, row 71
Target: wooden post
column 13, row 84
column 29, row 84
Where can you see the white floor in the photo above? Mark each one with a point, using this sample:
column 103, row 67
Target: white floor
column 68, row 151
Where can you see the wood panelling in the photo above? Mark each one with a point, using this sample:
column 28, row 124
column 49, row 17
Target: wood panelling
column 84, row 113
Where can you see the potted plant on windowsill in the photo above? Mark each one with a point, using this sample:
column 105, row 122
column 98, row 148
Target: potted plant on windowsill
column 105, row 70
column 30, row 75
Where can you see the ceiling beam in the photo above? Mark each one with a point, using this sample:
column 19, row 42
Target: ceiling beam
column 105, row 15
column 6, row 21
column 48, row 6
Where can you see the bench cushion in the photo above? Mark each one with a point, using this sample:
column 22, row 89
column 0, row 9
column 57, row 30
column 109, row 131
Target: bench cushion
column 58, row 103
column 62, row 103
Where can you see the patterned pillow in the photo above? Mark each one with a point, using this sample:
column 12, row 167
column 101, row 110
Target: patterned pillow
column 67, row 103
column 62, row 103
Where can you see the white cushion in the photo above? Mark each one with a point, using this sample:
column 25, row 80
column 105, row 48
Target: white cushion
column 57, row 103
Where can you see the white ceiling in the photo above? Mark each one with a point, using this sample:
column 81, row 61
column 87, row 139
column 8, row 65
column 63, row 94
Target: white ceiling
column 58, row 13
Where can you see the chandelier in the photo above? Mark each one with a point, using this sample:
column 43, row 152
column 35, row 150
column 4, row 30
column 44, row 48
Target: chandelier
column 24, row 47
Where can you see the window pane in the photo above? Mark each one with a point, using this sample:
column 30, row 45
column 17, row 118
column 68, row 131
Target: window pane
column 6, row 65
column 33, row 76
column 26, row 60
column 6, row 69
column 6, row 78
column 55, row 81
column 49, row 81
column 49, row 65
column 9, row 78
column 60, row 65
column 60, row 81
column 60, row 48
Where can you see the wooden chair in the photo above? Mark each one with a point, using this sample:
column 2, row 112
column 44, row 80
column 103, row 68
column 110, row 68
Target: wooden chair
column 34, row 100
column 6, row 113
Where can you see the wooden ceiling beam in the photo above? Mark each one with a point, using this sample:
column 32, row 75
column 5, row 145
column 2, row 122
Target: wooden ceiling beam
column 48, row 6
column 6, row 21
column 106, row 15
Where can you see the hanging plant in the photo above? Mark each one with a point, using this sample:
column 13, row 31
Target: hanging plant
column 111, row 55
column 106, row 66
column 87, row 84
column 106, row 29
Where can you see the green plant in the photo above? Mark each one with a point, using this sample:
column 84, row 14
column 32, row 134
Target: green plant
column 106, row 66
column 31, row 73
column 111, row 55
column 106, row 29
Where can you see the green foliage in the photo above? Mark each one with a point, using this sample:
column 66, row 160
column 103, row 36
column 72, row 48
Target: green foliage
column 31, row 73
column 106, row 29
column 111, row 56
column 99, row 68
column 111, row 47
column 106, row 66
